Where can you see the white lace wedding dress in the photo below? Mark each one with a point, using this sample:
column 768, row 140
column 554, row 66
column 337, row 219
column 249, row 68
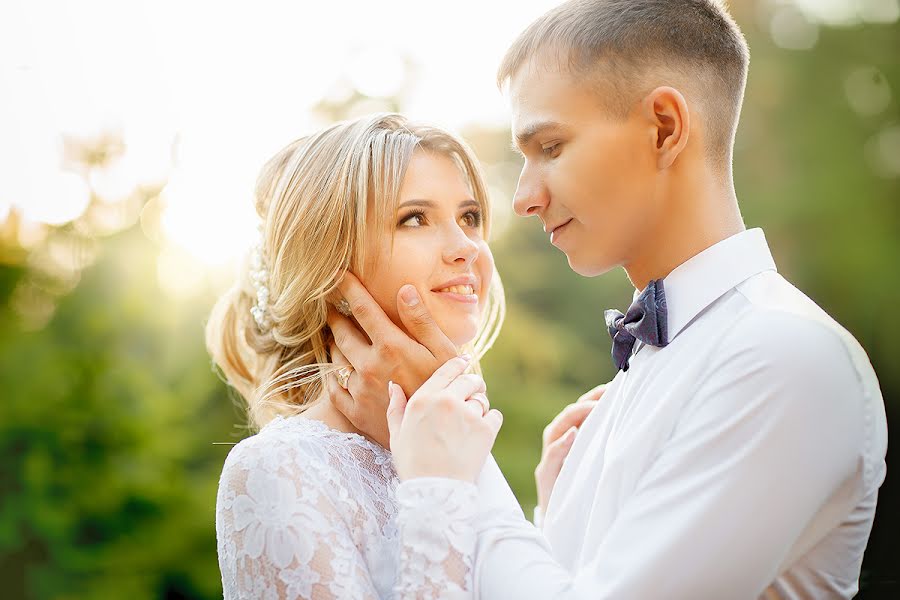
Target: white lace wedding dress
column 304, row 511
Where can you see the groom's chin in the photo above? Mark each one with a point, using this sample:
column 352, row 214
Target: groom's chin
column 587, row 268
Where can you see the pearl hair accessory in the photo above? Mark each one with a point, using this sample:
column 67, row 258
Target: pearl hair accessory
column 259, row 277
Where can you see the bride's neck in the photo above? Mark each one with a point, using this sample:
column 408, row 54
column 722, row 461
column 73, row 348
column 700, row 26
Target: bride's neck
column 324, row 410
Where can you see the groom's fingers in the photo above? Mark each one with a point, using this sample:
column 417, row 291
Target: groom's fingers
column 571, row 416
column 365, row 310
column 420, row 324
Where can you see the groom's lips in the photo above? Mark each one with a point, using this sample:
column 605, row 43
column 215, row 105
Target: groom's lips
column 557, row 230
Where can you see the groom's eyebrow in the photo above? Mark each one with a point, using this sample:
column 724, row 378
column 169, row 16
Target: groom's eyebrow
column 527, row 133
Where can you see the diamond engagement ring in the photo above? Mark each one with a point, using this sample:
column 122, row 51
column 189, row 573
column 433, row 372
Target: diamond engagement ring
column 343, row 376
column 343, row 307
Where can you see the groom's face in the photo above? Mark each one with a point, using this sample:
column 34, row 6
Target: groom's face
column 588, row 174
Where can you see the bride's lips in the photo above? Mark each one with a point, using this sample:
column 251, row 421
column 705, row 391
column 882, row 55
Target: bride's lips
column 460, row 289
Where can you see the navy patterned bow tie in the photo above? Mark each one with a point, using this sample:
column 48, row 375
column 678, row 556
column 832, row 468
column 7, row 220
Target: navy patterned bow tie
column 646, row 320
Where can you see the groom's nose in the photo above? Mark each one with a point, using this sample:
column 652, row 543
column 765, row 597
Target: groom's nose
column 531, row 196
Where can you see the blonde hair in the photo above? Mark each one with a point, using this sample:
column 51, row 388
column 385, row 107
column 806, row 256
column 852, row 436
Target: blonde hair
column 313, row 197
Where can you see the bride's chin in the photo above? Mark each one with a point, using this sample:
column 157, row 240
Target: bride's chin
column 461, row 333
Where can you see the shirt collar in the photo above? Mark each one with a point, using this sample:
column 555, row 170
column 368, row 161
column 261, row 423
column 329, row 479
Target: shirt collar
column 706, row 277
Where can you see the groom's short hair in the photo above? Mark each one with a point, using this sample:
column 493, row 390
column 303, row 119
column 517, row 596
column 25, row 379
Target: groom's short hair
column 629, row 47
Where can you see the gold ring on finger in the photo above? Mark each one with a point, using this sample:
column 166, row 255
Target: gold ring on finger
column 343, row 376
column 483, row 401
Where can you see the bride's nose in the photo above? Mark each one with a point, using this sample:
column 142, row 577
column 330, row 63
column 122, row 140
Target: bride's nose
column 459, row 247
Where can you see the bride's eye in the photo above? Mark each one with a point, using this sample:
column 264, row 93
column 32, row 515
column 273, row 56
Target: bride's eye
column 416, row 219
column 472, row 218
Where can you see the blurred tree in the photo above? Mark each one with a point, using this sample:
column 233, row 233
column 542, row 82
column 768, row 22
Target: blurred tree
column 108, row 475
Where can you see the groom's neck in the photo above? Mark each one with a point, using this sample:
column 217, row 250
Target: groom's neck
column 698, row 211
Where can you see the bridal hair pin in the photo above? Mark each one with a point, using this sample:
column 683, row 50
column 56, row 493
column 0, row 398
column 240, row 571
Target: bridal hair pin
column 259, row 277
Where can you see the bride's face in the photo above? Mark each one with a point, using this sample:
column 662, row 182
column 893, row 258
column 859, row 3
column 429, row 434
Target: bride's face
column 438, row 247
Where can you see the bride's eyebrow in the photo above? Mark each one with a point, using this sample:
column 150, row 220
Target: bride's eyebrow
column 425, row 203
column 431, row 204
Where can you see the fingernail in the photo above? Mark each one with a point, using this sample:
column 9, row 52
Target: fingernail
column 390, row 388
column 409, row 295
column 466, row 357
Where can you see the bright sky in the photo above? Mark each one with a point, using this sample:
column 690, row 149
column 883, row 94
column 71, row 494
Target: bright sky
column 232, row 82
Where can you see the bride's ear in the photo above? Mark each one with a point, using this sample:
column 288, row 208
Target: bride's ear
column 666, row 111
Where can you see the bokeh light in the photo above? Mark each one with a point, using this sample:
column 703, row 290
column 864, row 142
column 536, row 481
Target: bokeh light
column 131, row 136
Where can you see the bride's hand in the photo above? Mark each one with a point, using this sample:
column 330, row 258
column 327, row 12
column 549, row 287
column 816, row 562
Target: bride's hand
column 558, row 438
column 446, row 429
column 390, row 356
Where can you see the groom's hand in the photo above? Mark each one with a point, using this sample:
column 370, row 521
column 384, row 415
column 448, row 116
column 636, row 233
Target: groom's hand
column 392, row 355
column 558, row 438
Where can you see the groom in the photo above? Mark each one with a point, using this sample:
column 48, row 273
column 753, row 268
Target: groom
column 739, row 450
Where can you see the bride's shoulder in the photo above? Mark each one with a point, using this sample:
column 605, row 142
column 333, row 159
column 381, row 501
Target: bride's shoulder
column 285, row 442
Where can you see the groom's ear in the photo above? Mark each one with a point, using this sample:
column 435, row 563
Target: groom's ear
column 666, row 110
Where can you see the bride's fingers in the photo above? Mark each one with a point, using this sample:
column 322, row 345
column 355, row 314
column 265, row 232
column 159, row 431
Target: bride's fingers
column 347, row 337
column 465, row 386
column 571, row 416
column 548, row 469
column 478, row 403
column 396, row 407
column 340, row 397
column 594, row 394
column 494, row 419
column 441, row 378
column 558, row 450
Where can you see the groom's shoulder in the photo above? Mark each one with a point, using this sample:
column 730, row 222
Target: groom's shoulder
column 778, row 318
column 781, row 337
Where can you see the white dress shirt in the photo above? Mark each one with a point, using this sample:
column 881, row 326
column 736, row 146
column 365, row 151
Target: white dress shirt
column 741, row 461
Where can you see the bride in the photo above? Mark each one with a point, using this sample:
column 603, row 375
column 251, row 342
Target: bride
column 309, row 507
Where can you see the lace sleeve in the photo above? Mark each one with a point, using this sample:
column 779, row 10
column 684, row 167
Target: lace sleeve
column 279, row 534
column 437, row 536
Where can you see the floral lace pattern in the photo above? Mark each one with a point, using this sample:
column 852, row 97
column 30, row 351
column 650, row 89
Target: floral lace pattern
column 304, row 511
column 435, row 521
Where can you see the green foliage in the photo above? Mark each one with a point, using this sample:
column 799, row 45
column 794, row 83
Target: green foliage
column 109, row 472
